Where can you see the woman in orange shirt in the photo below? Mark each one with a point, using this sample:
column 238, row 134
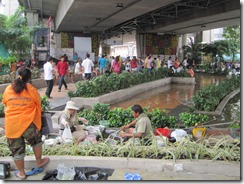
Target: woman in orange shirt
column 23, row 120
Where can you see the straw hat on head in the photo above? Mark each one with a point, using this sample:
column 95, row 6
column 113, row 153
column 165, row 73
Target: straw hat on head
column 71, row 105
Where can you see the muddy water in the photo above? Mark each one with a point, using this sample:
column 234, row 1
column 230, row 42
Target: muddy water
column 170, row 96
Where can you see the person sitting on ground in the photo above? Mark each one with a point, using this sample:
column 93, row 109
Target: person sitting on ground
column 190, row 71
column 23, row 121
column 70, row 118
column 143, row 128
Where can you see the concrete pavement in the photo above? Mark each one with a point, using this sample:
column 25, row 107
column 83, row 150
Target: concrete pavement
column 149, row 169
column 59, row 99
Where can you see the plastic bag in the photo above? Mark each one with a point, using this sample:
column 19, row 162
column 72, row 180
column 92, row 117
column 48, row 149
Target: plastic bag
column 163, row 131
column 178, row 134
column 65, row 173
column 67, row 135
column 81, row 173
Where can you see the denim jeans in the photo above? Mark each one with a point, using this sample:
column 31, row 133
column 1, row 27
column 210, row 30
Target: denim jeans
column 61, row 82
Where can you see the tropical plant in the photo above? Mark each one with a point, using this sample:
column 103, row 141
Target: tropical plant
column 232, row 35
column 15, row 35
column 45, row 104
column 216, row 50
column 193, row 51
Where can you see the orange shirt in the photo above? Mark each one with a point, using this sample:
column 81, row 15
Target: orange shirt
column 21, row 110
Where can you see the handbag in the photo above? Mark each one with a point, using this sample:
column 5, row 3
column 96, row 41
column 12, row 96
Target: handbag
column 47, row 125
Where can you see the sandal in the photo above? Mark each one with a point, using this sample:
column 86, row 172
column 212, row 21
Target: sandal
column 16, row 173
column 33, row 171
column 45, row 161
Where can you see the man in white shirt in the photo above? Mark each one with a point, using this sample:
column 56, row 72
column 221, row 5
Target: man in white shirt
column 87, row 67
column 48, row 76
column 169, row 62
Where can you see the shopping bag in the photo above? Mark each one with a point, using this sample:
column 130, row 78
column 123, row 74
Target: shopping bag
column 47, row 125
column 67, row 135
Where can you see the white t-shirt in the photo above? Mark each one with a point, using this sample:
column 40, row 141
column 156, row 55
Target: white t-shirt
column 169, row 63
column 87, row 64
column 48, row 75
column 77, row 68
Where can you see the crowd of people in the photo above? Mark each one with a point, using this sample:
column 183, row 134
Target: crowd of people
column 56, row 70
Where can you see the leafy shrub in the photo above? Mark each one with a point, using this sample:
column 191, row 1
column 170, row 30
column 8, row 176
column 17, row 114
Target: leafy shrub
column 113, row 82
column 118, row 117
column 190, row 120
column 45, row 103
column 209, row 97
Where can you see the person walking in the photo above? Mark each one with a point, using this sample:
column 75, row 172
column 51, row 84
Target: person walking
column 102, row 63
column 23, row 121
column 116, row 65
column 87, row 67
column 48, row 76
column 62, row 68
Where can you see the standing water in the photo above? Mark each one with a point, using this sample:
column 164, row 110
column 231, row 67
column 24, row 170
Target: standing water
column 170, row 96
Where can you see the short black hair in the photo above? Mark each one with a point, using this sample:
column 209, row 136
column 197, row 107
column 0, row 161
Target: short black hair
column 87, row 55
column 50, row 58
column 137, row 108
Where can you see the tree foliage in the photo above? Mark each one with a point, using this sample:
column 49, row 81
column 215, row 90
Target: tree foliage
column 232, row 35
column 193, row 51
column 15, row 34
column 216, row 49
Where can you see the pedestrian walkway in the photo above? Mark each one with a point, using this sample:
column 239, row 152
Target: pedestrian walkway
column 148, row 169
column 59, row 99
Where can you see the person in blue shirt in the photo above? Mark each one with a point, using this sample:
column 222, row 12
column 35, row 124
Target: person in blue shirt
column 102, row 63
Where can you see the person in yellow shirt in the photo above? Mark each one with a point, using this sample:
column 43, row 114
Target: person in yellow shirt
column 158, row 62
column 23, row 120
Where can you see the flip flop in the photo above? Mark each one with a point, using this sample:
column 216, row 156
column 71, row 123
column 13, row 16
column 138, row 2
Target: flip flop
column 16, row 174
column 33, row 171
column 45, row 161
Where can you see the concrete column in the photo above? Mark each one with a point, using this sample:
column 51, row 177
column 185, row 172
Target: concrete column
column 63, row 8
column 140, row 44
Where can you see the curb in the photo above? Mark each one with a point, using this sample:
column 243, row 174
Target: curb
column 154, row 165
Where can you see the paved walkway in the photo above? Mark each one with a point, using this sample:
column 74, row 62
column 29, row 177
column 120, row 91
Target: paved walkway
column 149, row 169
column 59, row 98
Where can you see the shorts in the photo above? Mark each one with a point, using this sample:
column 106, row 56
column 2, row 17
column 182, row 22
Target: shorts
column 17, row 145
column 88, row 76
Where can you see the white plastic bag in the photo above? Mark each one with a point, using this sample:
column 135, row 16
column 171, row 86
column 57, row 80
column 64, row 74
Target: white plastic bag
column 65, row 173
column 67, row 135
column 178, row 134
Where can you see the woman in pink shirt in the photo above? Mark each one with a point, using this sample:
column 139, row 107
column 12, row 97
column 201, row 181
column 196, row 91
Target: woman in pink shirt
column 116, row 65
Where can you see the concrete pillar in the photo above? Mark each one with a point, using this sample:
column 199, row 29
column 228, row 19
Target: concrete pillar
column 199, row 36
column 140, row 44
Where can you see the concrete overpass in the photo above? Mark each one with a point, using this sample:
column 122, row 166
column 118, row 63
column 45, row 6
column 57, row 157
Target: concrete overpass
column 110, row 17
